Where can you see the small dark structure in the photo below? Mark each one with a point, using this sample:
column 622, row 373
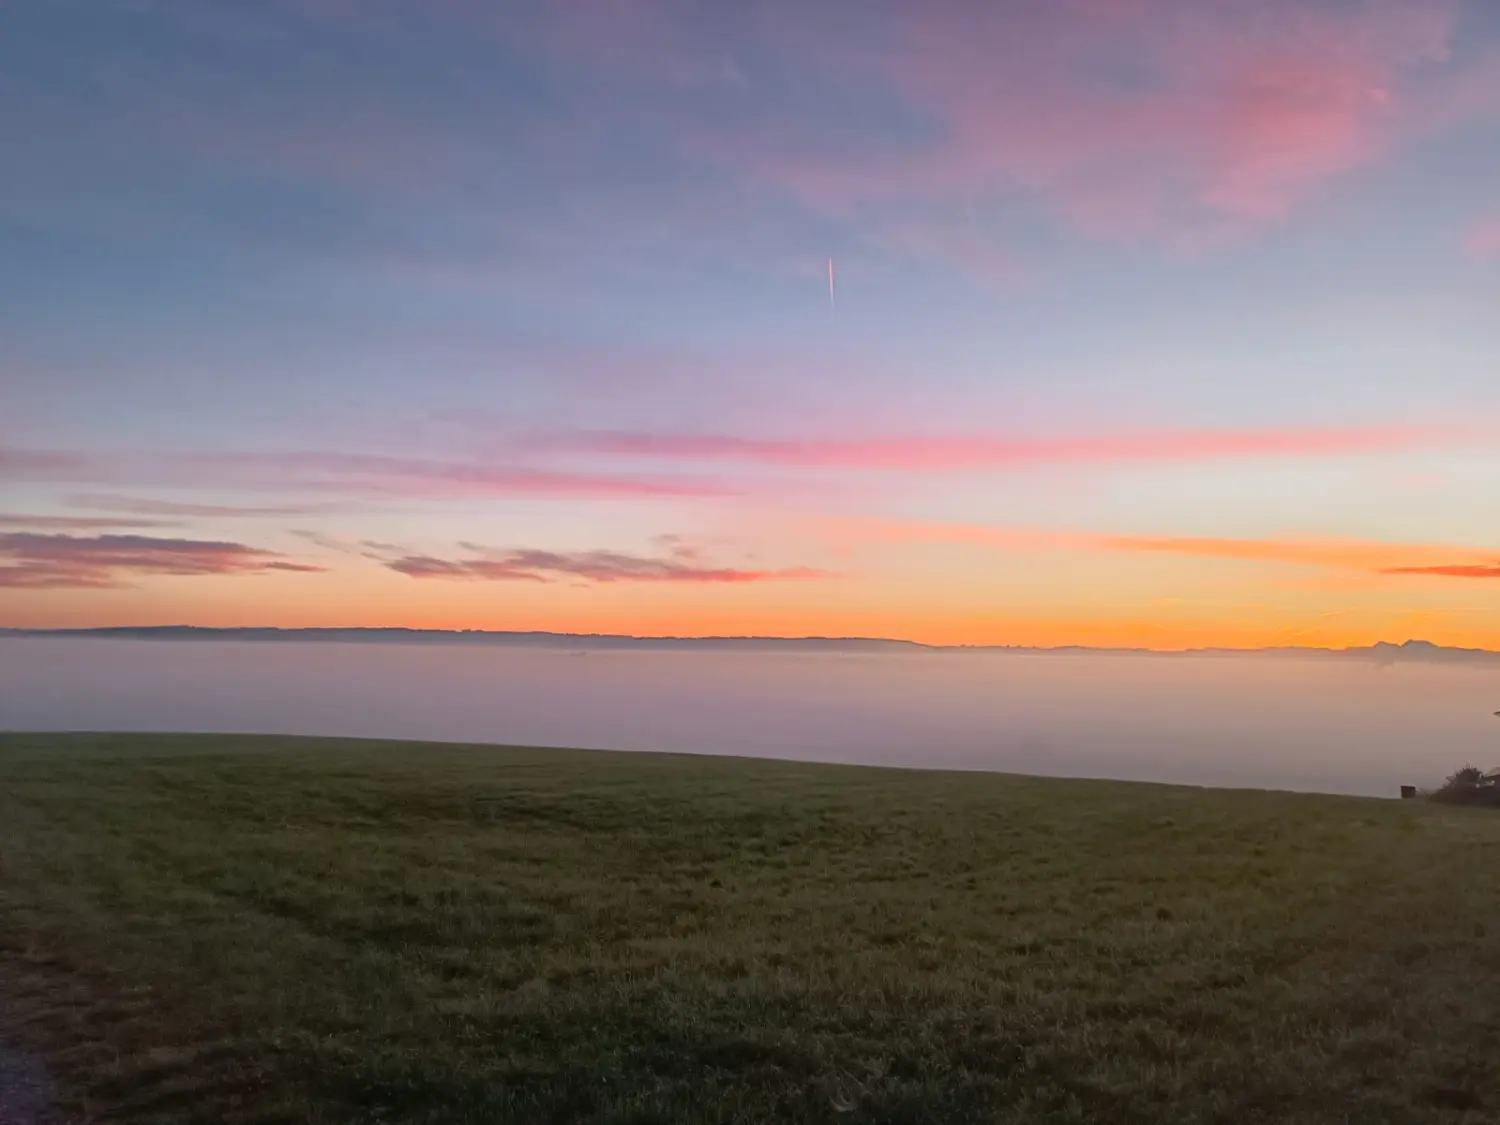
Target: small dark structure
column 1408, row 792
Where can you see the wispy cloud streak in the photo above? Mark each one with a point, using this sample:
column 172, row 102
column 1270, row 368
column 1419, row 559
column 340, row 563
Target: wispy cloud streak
column 1450, row 570
column 351, row 475
column 77, row 523
column 41, row 464
column 37, row 561
column 999, row 451
column 531, row 565
column 405, row 476
column 1368, row 556
column 177, row 509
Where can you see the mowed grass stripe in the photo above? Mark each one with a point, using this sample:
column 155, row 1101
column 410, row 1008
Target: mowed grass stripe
column 205, row 928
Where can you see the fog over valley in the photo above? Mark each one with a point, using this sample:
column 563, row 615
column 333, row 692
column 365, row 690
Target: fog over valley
column 1308, row 723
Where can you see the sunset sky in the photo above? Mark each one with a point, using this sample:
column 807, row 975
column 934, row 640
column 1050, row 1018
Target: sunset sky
column 1153, row 322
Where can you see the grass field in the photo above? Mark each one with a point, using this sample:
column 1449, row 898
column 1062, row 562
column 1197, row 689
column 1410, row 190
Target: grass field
column 273, row 930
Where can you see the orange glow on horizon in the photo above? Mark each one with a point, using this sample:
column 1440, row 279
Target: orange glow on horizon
column 907, row 580
column 1145, row 627
column 1372, row 556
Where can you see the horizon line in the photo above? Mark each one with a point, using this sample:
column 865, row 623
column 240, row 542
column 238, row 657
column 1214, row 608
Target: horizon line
column 1415, row 643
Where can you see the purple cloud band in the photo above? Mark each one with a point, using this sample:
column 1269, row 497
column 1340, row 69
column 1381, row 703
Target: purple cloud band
column 34, row 561
column 530, row 565
column 351, row 476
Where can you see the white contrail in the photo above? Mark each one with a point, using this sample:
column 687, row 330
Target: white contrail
column 830, row 285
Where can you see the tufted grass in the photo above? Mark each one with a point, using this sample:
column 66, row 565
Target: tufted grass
column 257, row 930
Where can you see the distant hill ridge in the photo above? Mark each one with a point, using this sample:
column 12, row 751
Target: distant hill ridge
column 1383, row 652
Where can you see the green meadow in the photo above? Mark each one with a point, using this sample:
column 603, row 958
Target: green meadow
column 257, row 930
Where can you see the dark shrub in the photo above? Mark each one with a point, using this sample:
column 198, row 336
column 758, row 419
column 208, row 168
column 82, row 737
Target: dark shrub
column 1469, row 786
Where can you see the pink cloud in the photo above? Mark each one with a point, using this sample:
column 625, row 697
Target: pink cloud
column 1183, row 121
column 1374, row 557
column 1127, row 119
column 975, row 452
column 530, row 565
column 36, row 561
column 1449, row 570
column 415, row 477
column 1484, row 240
